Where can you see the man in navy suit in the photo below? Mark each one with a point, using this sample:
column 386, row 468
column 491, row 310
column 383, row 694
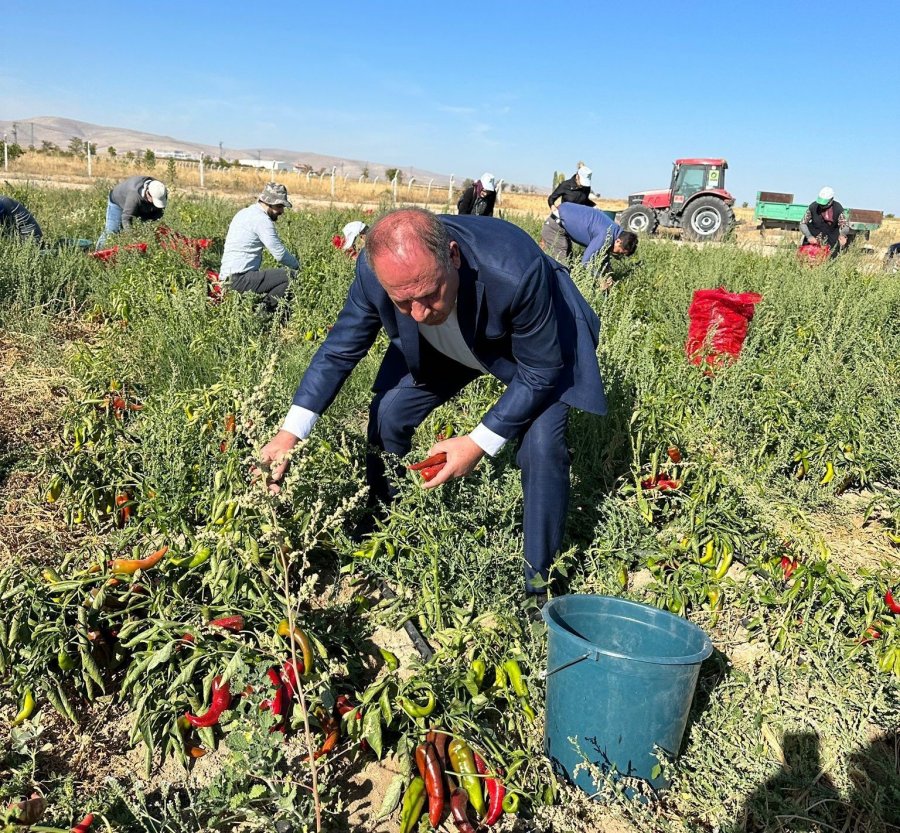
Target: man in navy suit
column 459, row 296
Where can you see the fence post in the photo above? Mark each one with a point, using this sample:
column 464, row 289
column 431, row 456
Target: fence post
column 500, row 191
column 450, row 190
column 201, row 171
column 394, row 189
column 5, row 157
column 333, row 169
column 308, row 175
column 428, row 194
column 88, row 143
column 375, row 181
column 409, row 186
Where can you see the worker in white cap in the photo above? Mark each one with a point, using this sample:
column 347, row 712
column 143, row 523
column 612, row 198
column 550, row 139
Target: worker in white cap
column 136, row 198
column 353, row 238
column 479, row 197
column 577, row 188
column 826, row 222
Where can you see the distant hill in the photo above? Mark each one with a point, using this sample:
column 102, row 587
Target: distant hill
column 59, row 131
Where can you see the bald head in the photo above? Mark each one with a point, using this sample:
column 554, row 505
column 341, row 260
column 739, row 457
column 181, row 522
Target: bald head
column 416, row 262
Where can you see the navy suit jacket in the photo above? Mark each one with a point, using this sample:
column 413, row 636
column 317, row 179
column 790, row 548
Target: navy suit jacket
column 519, row 312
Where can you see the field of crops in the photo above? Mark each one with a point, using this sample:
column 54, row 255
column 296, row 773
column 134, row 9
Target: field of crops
column 761, row 500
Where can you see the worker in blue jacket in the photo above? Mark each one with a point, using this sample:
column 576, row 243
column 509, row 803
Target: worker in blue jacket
column 602, row 237
column 459, row 297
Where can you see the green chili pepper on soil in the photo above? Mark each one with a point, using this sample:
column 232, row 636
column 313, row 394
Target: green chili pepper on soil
column 511, row 803
column 463, row 762
column 390, row 659
column 413, row 805
column 26, row 709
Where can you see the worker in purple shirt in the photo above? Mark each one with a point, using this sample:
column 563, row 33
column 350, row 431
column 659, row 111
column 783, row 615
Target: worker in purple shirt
column 602, row 237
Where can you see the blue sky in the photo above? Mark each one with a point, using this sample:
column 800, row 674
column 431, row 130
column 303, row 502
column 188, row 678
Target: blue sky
column 795, row 95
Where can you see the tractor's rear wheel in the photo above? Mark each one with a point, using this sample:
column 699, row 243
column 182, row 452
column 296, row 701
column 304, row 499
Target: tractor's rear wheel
column 707, row 218
column 640, row 219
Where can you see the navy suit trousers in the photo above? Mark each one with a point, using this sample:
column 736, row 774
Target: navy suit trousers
column 543, row 458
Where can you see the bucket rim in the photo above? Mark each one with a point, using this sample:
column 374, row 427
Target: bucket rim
column 593, row 650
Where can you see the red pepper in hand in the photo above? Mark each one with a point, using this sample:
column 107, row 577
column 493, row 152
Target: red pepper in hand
column 892, row 604
column 431, row 472
column 459, row 802
column 434, row 460
column 221, row 700
column 495, row 791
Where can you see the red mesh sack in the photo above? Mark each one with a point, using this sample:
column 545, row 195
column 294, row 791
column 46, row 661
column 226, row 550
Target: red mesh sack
column 718, row 325
column 812, row 253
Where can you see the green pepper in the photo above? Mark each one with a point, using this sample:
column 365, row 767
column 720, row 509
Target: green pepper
column 390, row 659
column 463, row 762
column 511, row 803
column 514, row 671
column 413, row 805
column 414, row 709
column 724, row 564
column 26, row 709
column 479, row 669
column 499, row 678
column 65, row 660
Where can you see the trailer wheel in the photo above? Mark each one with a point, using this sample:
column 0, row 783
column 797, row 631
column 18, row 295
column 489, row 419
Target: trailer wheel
column 640, row 219
column 707, row 218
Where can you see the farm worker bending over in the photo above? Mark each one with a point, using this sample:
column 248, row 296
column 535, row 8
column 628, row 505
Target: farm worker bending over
column 352, row 238
column 459, row 297
column 479, row 197
column 826, row 222
column 18, row 221
column 251, row 229
column 136, row 198
column 602, row 237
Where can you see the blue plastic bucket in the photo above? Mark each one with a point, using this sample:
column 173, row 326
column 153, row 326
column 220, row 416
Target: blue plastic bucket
column 620, row 680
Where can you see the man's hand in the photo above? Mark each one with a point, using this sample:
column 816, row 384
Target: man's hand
column 463, row 455
column 272, row 459
column 842, row 241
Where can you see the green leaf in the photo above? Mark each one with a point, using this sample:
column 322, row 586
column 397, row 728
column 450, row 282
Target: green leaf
column 372, row 729
column 161, row 655
column 392, row 796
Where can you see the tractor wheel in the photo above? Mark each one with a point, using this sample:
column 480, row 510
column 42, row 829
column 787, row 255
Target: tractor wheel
column 707, row 218
column 640, row 219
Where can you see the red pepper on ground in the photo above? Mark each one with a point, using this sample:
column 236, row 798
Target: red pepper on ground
column 892, row 604
column 788, row 566
column 661, row 482
column 495, row 791
column 221, row 700
column 84, row 825
column 231, row 623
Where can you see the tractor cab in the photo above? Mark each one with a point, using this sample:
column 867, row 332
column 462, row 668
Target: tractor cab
column 690, row 176
column 695, row 201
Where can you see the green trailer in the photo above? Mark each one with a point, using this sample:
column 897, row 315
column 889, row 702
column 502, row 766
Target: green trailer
column 777, row 210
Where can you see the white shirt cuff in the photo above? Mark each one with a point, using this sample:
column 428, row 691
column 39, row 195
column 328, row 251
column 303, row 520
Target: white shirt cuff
column 489, row 442
column 299, row 422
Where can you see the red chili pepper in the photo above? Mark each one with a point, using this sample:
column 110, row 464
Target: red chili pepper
column 84, row 825
column 337, row 241
column 344, row 706
column 436, row 459
column 278, row 704
column 229, row 423
column 661, row 482
column 332, row 729
column 788, row 566
column 433, row 773
column 893, row 606
column 122, row 501
column 674, row 453
column 459, row 802
column 132, row 565
column 291, row 674
column 431, row 472
column 495, row 791
column 871, row 633
column 440, row 741
column 221, row 700
column 231, row 623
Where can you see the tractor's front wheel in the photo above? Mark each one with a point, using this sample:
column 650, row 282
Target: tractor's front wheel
column 707, row 218
column 641, row 219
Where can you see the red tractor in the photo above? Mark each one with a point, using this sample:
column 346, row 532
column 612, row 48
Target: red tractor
column 696, row 202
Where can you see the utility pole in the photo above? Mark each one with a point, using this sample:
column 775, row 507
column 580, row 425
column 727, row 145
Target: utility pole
column 32, row 135
column 88, row 145
column 5, row 157
column 15, row 129
column 220, row 148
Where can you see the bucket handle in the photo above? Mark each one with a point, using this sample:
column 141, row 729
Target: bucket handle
column 594, row 655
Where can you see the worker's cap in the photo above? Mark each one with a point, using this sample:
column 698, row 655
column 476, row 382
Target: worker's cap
column 275, row 194
column 826, row 195
column 487, row 182
column 351, row 232
column 158, row 192
column 584, row 174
